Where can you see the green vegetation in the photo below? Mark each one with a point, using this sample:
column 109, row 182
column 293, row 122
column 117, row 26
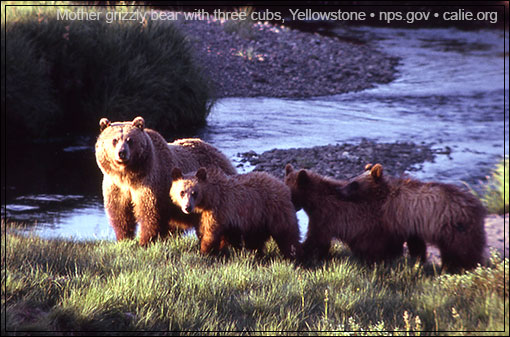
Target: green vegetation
column 495, row 193
column 107, row 286
column 62, row 75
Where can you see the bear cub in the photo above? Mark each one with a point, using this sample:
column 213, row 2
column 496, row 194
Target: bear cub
column 424, row 212
column 249, row 208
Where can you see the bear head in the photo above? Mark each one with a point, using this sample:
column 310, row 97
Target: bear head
column 122, row 145
column 299, row 183
column 186, row 191
column 366, row 186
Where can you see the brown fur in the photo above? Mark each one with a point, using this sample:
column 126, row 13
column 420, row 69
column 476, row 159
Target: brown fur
column 329, row 217
column 136, row 163
column 252, row 206
column 439, row 214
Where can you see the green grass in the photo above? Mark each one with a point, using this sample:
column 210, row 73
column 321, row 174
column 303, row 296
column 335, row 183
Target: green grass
column 62, row 76
column 495, row 190
column 50, row 285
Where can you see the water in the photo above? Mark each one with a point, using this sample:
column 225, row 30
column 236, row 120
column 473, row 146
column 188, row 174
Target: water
column 449, row 92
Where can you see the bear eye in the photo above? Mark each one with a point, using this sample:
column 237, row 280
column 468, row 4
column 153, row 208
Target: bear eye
column 194, row 194
column 183, row 194
column 114, row 141
column 129, row 141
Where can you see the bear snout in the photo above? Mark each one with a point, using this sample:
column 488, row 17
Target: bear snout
column 123, row 154
column 186, row 209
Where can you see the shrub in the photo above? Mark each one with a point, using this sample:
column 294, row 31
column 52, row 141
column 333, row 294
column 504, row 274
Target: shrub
column 60, row 71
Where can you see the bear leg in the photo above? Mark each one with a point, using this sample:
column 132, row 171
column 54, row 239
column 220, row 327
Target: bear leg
column 232, row 237
column 461, row 252
column 417, row 248
column 318, row 240
column 119, row 209
column 153, row 216
column 290, row 248
column 288, row 241
column 256, row 240
column 315, row 248
column 211, row 235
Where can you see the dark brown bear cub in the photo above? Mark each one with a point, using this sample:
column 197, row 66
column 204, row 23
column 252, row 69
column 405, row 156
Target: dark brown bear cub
column 329, row 218
column 137, row 163
column 439, row 214
column 252, row 206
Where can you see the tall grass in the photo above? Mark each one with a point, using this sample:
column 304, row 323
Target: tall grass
column 51, row 285
column 63, row 75
column 495, row 190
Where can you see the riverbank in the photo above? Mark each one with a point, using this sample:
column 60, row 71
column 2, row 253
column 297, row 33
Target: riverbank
column 249, row 59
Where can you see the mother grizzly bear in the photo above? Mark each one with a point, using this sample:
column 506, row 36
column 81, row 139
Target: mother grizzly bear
column 137, row 164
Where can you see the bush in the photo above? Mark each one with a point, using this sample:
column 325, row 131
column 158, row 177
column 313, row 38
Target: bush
column 61, row 71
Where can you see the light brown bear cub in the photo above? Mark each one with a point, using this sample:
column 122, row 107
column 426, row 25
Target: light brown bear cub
column 439, row 214
column 137, row 163
column 329, row 218
column 252, row 206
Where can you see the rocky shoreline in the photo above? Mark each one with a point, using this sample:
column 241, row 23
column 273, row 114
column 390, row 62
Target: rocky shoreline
column 345, row 160
column 248, row 59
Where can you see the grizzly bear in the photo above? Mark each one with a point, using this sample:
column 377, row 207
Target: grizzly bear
column 329, row 217
column 250, row 207
column 137, row 163
column 436, row 213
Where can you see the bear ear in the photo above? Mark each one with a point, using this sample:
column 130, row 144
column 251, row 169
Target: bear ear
column 176, row 173
column 377, row 171
column 104, row 123
column 368, row 167
column 288, row 169
column 201, row 174
column 302, row 178
column 139, row 122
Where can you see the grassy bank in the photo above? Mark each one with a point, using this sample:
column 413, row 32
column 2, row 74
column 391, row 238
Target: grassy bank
column 63, row 73
column 53, row 285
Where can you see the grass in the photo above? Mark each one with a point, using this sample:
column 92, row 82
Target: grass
column 495, row 190
column 62, row 76
column 106, row 287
